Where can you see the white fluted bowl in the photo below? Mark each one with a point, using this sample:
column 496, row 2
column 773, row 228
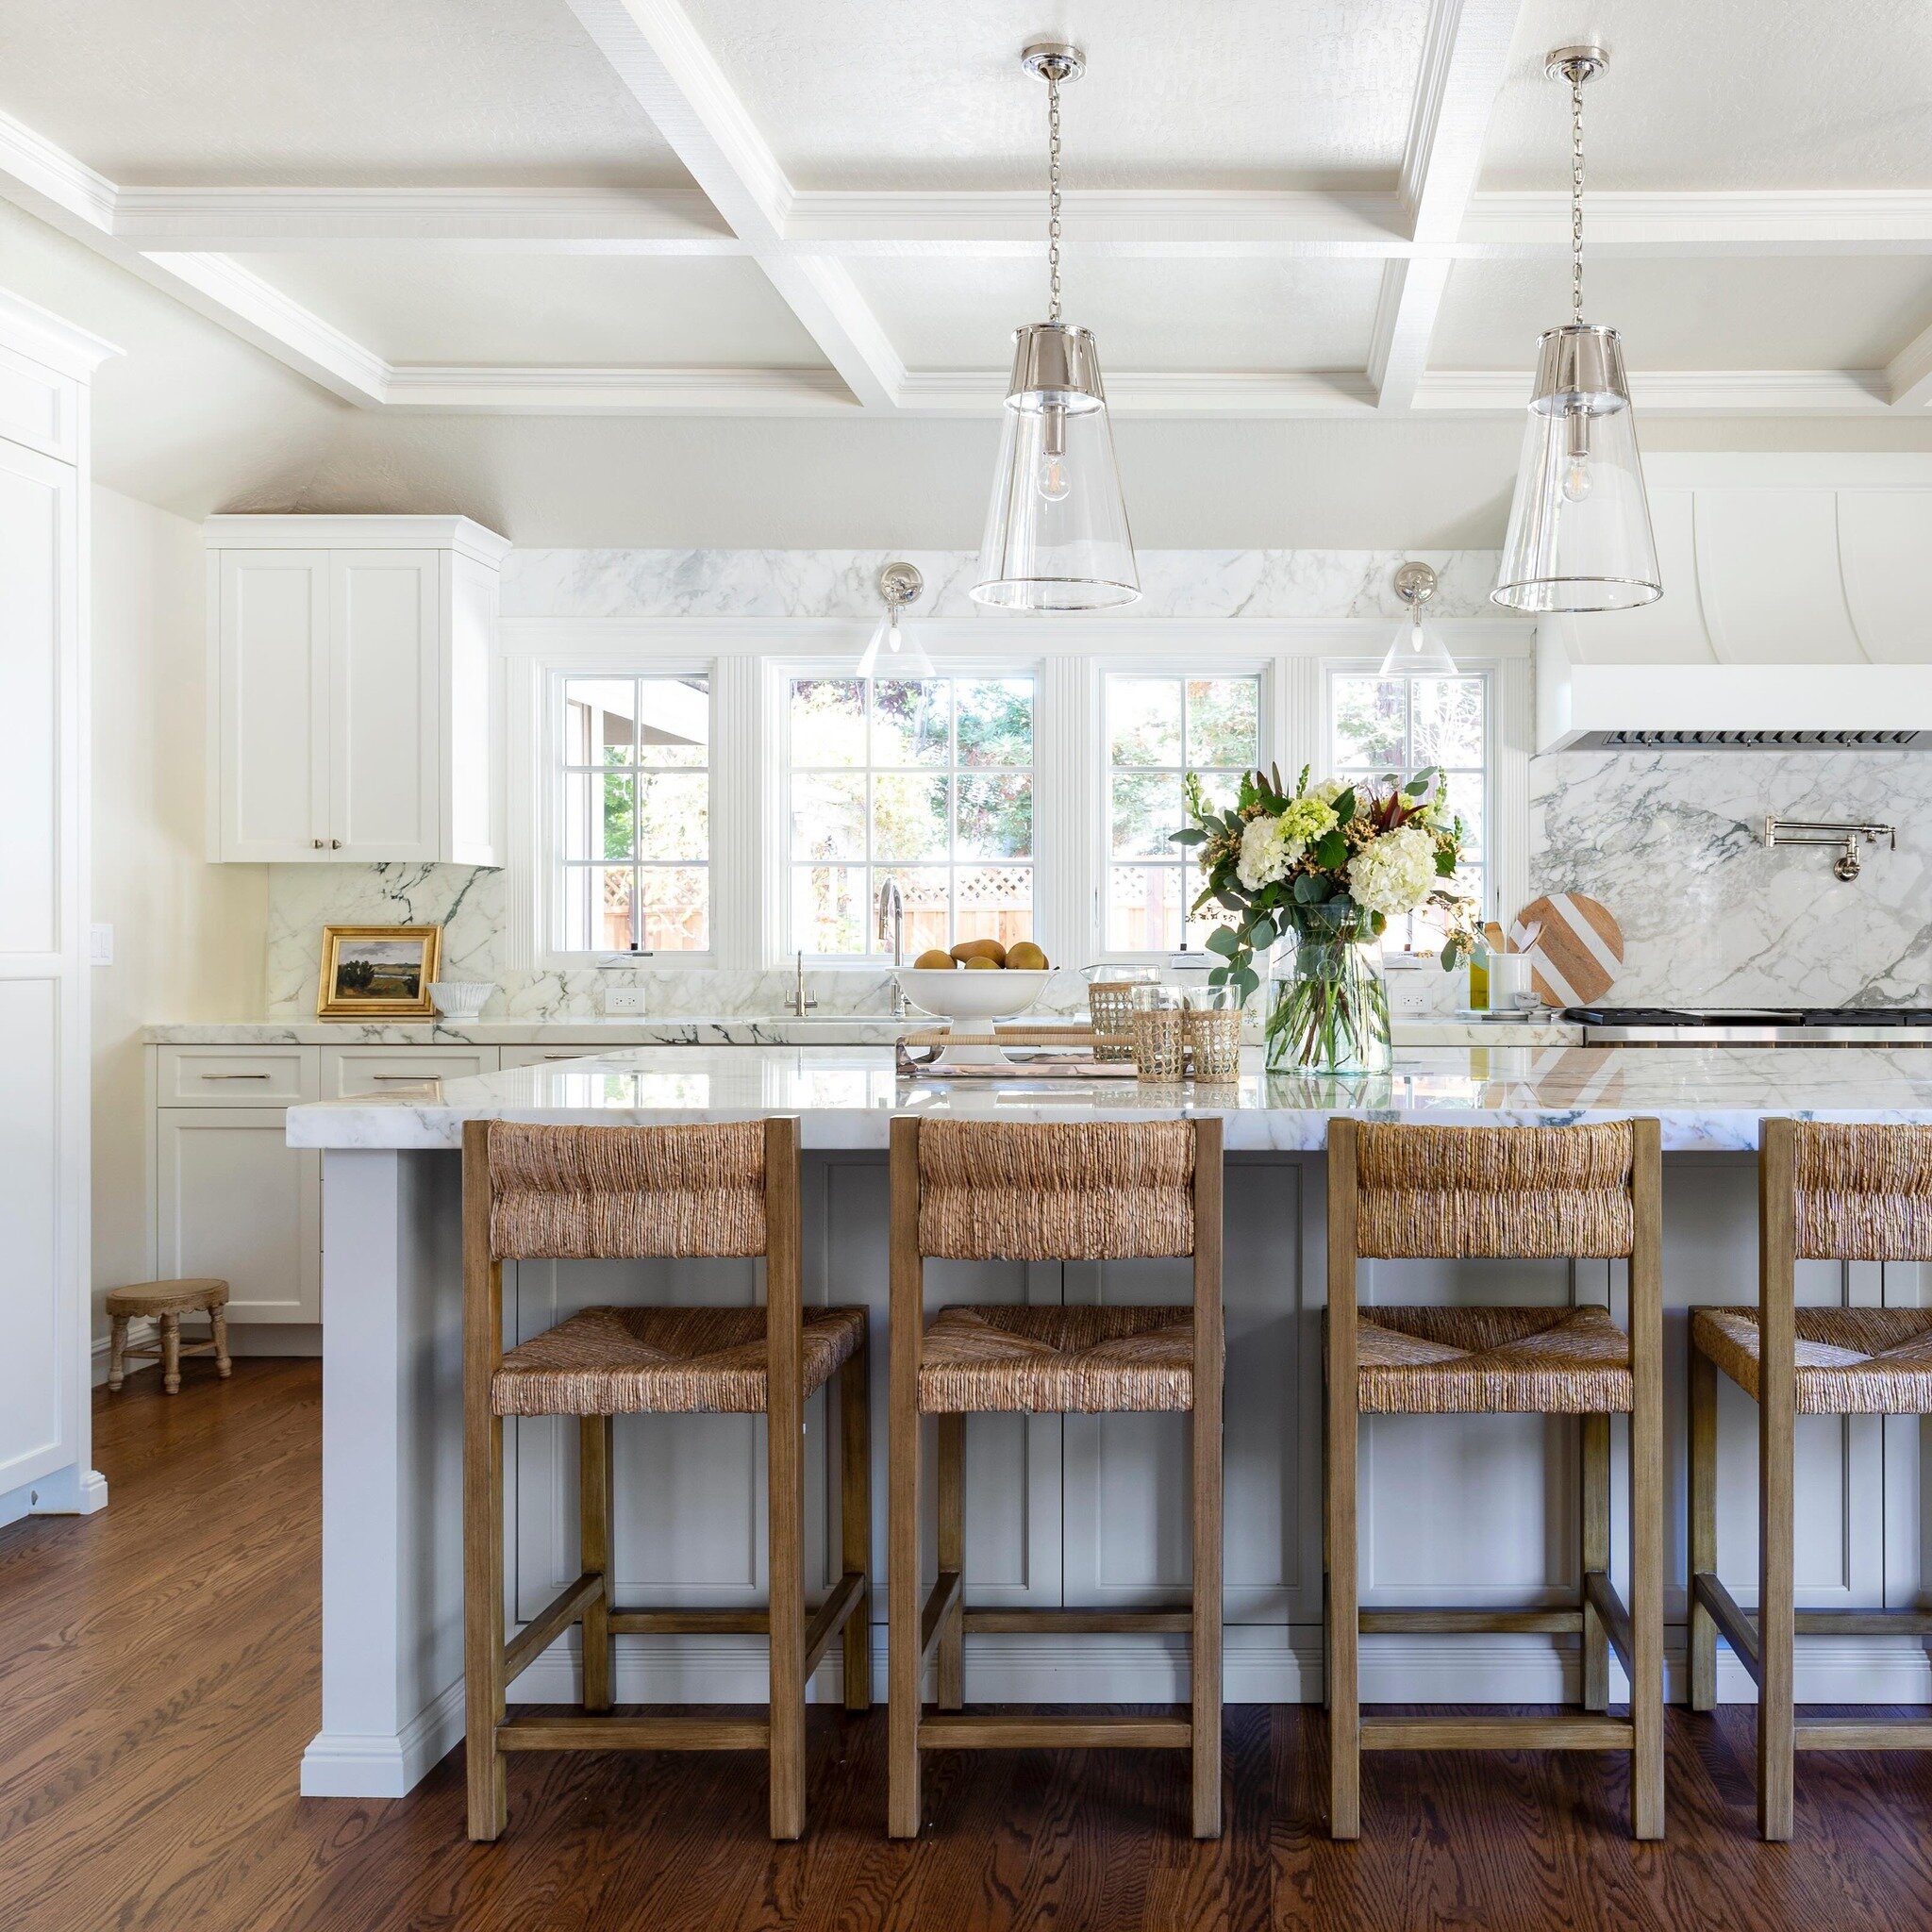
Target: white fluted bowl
column 960, row 995
column 460, row 999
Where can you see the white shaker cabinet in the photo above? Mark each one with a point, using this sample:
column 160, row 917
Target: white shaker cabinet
column 354, row 713
column 45, row 1440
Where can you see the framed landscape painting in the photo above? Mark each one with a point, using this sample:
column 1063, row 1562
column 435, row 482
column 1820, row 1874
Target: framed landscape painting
column 378, row 972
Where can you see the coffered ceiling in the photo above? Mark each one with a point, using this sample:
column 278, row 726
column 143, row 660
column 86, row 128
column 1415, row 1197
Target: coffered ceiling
column 1337, row 207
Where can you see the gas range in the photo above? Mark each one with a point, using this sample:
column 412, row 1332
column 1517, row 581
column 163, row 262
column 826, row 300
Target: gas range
column 1754, row 1025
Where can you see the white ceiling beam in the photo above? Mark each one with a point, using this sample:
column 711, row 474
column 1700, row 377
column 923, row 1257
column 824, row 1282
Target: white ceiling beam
column 657, row 54
column 271, row 220
column 619, row 392
column 1465, row 54
column 1700, row 222
column 1908, row 374
column 50, row 183
column 1675, row 391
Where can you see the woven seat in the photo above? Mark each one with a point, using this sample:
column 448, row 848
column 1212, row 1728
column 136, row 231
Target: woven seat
column 184, row 1297
column 164, row 1303
column 663, row 1361
column 1851, row 1361
column 1488, row 1361
column 1083, row 1361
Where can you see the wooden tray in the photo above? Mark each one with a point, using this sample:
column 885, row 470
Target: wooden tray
column 1061, row 1052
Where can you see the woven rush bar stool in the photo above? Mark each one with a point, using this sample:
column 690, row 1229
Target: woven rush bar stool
column 603, row 1194
column 1444, row 1193
column 1826, row 1191
column 1081, row 1191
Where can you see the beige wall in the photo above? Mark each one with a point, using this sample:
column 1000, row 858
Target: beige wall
column 189, row 938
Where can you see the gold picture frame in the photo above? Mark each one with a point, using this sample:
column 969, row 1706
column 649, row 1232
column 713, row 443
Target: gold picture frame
column 378, row 972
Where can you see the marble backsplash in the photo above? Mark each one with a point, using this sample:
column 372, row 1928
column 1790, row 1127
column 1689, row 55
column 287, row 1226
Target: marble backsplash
column 1671, row 843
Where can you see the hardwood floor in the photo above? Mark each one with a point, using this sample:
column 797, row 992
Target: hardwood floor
column 157, row 1682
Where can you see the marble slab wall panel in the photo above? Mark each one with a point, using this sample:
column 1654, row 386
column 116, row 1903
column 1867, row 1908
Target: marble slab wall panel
column 471, row 905
column 1671, row 843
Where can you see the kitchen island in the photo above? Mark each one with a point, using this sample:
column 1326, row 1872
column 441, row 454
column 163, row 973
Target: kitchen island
column 1082, row 1510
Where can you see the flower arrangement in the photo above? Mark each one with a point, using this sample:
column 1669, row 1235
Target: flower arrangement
column 1330, row 863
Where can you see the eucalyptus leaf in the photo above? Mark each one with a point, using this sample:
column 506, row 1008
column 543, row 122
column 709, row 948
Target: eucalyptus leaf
column 1222, row 939
column 1247, row 982
column 1217, row 976
column 1452, row 954
column 1261, row 935
column 1310, row 887
column 1188, row 835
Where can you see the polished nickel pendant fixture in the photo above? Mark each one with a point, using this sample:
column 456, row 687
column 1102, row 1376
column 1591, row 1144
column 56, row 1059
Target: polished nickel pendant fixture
column 1056, row 534
column 1579, row 528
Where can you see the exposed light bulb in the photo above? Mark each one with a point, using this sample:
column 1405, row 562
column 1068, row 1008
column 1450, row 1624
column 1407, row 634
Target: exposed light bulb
column 1577, row 478
column 1050, row 476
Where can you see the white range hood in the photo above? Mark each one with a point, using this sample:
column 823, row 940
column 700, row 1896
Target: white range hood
column 1794, row 617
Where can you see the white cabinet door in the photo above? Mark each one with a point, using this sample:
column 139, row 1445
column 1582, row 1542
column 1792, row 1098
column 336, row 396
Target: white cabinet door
column 271, row 721
column 236, row 1200
column 43, row 976
column 385, row 763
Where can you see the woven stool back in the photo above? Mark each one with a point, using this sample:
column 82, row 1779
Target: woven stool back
column 623, row 1194
column 1445, row 1194
column 1089, row 1190
column 1862, row 1192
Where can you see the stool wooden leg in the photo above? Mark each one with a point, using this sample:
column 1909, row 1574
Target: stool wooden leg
column 117, row 1347
column 1205, row 1631
column 593, row 1535
column 218, row 1327
column 1701, row 1453
column 951, row 1661
column 785, row 1500
column 1776, row 1593
column 1345, row 1707
column 1646, row 1490
column 855, row 1520
column 171, row 1353
column 903, row 1661
column 483, row 1672
column 1594, row 1443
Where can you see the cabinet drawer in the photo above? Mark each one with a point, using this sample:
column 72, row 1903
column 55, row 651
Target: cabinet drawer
column 552, row 1055
column 236, row 1075
column 348, row 1072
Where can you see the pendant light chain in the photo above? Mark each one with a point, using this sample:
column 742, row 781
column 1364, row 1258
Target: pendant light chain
column 1575, row 195
column 1053, row 197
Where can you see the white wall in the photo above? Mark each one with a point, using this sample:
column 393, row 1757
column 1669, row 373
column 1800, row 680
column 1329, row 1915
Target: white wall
column 189, row 938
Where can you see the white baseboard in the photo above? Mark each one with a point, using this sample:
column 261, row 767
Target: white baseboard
column 245, row 1339
column 72, row 1491
column 361, row 1765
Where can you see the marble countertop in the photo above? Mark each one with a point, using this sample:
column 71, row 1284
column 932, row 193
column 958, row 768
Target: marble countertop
column 1707, row 1099
column 743, row 1030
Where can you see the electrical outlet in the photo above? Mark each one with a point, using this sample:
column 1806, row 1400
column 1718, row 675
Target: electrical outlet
column 623, row 999
column 100, row 945
column 1408, row 994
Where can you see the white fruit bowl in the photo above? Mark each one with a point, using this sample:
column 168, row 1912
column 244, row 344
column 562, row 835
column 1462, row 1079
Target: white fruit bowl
column 962, row 996
column 460, row 999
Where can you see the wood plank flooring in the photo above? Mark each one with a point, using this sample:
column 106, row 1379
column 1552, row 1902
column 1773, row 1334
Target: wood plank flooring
column 158, row 1683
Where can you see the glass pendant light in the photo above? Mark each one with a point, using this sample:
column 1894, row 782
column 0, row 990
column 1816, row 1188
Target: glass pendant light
column 893, row 651
column 1579, row 529
column 1056, row 533
column 1416, row 650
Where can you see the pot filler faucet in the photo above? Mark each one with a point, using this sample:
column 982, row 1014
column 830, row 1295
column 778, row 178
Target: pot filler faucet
column 893, row 906
column 1848, row 863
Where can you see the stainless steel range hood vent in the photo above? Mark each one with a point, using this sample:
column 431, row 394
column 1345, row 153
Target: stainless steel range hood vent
column 1748, row 741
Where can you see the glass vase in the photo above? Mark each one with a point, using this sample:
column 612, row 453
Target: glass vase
column 1330, row 1015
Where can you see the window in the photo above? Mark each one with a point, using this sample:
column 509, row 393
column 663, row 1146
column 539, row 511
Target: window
column 928, row 782
column 1160, row 731
column 1379, row 725
column 635, row 797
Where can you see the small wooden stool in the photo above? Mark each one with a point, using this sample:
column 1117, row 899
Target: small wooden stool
column 1441, row 1193
column 981, row 1191
column 1827, row 1191
column 167, row 1302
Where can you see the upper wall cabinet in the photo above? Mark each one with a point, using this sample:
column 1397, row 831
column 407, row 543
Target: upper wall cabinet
column 352, row 710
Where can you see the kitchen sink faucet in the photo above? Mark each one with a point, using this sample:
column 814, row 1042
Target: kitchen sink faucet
column 893, row 906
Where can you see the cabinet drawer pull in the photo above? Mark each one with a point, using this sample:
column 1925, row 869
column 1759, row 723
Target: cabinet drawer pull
column 334, row 844
column 414, row 1080
column 234, row 1077
column 317, row 843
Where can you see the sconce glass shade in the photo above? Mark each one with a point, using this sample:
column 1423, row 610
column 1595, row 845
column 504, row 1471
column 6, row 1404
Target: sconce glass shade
column 1579, row 528
column 1417, row 650
column 893, row 651
column 1057, row 535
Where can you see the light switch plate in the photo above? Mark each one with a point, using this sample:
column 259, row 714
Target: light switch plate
column 625, row 999
column 100, row 945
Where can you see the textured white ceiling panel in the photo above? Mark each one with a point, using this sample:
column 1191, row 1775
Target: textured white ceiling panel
column 1723, row 93
column 1741, row 312
column 348, row 93
column 1243, row 315
column 566, row 310
column 1204, row 93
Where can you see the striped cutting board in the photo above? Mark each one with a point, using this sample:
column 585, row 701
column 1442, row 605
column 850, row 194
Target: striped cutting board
column 1578, row 953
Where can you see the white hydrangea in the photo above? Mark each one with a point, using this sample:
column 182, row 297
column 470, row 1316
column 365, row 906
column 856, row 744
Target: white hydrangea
column 1395, row 873
column 1265, row 856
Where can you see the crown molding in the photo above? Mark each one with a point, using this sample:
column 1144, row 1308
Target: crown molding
column 617, row 391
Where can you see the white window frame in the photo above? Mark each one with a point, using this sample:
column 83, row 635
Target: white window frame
column 550, row 771
column 776, row 847
column 1491, row 671
column 1099, row 777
